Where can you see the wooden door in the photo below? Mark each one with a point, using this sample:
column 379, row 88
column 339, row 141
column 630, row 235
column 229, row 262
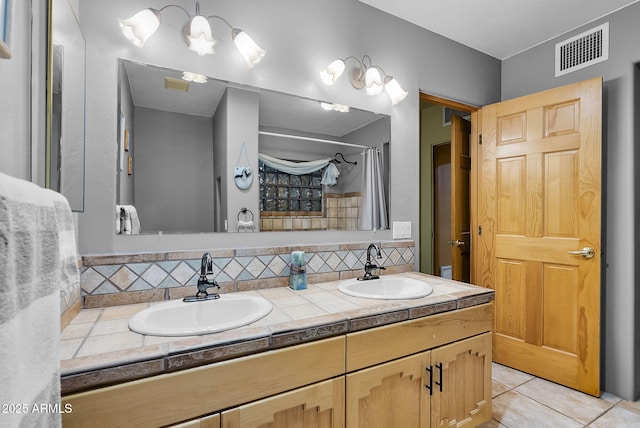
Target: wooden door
column 441, row 207
column 316, row 406
column 538, row 201
column 389, row 395
column 460, row 207
column 462, row 383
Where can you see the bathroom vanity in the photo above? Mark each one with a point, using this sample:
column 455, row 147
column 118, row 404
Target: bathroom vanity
column 366, row 363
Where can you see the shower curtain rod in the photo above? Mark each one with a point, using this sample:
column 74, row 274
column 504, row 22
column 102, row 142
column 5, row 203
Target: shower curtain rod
column 320, row 140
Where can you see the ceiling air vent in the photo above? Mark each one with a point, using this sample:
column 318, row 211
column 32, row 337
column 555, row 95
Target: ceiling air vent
column 176, row 84
column 583, row 50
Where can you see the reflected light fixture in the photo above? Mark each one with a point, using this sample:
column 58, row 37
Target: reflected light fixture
column 335, row 107
column 194, row 77
column 364, row 75
column 197, row 32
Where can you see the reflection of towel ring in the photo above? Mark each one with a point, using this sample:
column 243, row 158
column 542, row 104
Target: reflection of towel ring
column 247, row 222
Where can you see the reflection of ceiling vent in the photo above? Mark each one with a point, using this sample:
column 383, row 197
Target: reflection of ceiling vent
column 583, row 50
column 176, row 84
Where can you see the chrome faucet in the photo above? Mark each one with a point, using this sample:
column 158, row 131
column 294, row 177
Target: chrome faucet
column 206, row 268
column 369, row 266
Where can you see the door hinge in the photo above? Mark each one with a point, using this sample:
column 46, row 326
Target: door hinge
column 479, row 230
column 480, row 139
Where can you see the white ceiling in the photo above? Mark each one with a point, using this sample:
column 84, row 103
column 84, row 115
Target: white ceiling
column 500, row 28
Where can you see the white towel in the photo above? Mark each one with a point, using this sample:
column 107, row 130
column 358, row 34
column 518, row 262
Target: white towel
column 129, row 220
column 330, row 175
column 37, row 262
column 245, row 224
column 118, row 219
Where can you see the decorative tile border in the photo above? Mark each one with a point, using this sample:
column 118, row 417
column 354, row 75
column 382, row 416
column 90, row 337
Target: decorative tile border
column 159, row 276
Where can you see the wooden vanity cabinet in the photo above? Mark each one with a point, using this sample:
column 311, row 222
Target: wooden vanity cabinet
column 389, row 395
column 449, row 386
column 371, row 378
column 319, row 406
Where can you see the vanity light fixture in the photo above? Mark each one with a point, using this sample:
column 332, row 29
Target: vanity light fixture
column 335, row 107
column 365, row 75
column 197, row 32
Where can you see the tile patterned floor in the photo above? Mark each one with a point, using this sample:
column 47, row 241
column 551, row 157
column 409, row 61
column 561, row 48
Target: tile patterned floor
column 522, row 401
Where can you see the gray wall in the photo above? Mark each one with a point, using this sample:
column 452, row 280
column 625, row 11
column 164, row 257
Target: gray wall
column 242, row 127
column 173, row 170
column 125, row 182
column 16, row 92
column 291, row 66
column 221, row 175
column 373, row 135
column 533, row 71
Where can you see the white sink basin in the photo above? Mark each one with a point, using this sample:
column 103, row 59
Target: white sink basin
column 386, row 287
column 178, row 318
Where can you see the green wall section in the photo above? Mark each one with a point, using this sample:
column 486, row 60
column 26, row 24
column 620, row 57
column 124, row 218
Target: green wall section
column 432, row 132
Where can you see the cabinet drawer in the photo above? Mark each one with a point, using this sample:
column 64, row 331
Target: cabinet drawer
column 370, row 347
column 170, row 398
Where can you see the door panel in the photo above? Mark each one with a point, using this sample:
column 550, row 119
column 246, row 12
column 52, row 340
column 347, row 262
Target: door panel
column 539, row 185
column 462, row 383
column 460, row 201
column 320, row 405
column 389, row 395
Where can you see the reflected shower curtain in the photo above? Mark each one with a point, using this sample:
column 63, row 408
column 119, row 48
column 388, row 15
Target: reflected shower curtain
column 373, row 213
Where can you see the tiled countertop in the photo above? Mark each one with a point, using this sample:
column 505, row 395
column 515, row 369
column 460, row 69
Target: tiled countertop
column 97, row 348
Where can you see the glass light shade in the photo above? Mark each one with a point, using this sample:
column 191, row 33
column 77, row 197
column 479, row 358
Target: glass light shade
column 140, row 26
column 373, row 81
column 335, row 107
column 199, row 36
column 332, row 72
column 341, row 108
column 395, row 92
column 249, row 49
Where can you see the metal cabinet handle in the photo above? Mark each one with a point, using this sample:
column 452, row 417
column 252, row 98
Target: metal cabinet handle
column 457, row 243
column 429, row 386
column 586, row 252
column 439, row 367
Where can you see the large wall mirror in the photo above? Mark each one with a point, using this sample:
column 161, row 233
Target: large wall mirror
column 178, row 150
column 65, row 140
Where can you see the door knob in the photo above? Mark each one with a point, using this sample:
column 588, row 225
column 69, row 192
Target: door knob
column 457, row 243
column 586, row 252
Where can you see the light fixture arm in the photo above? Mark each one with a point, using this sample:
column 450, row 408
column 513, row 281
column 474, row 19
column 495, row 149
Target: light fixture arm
column 179, row 7
column 231, row 27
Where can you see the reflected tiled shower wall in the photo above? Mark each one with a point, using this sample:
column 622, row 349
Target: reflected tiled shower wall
column 125, row 279
column 341, row 211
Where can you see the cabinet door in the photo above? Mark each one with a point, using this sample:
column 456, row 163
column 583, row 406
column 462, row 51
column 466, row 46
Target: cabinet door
column 462, row 383
column 389, row 395
column 317, row 406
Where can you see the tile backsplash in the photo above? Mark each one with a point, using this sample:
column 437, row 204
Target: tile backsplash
column 125, row 279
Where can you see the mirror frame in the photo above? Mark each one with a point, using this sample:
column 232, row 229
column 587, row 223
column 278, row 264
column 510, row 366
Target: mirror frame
column 48, row 151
